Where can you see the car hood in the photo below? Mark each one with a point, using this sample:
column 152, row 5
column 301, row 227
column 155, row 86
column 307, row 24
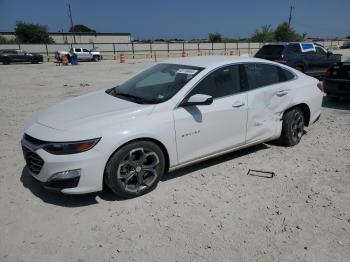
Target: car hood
column 35, row 54
column 92, row 111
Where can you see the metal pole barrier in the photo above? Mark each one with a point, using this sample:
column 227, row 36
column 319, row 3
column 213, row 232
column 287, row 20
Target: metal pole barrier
column 150, row 46
column 198, row 48
column 212, row 48
column 114, row 52
column 47, row 53
column 249, row 47
column 133, row 50
column 168, row 49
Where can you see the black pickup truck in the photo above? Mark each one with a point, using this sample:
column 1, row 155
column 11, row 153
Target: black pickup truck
column 313, row 62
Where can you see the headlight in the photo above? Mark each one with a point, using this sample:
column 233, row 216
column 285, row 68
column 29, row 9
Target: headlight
column 67, row 148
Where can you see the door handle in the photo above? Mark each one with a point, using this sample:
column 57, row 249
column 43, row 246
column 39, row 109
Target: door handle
column 282, row 93
column 238, row 104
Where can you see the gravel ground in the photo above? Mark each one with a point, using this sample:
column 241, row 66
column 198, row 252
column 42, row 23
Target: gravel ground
column 212, row 211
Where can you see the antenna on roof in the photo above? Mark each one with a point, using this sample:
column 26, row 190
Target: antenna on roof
column 71, row 22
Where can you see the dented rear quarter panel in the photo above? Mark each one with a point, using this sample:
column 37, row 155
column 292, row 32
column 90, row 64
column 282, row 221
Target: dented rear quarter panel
column 266, row 107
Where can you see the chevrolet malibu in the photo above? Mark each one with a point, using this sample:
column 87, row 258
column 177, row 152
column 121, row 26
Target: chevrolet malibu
column 171, row 115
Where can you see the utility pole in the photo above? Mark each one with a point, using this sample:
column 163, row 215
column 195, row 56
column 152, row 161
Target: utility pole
column 290, row 14
column 71, row 22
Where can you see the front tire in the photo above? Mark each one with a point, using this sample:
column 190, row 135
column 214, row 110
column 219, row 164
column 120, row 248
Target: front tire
column 35, row 61
column 96, row 58
column 292, row 127
column 135, row 169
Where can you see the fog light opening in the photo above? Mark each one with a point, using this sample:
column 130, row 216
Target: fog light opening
column 69, row 174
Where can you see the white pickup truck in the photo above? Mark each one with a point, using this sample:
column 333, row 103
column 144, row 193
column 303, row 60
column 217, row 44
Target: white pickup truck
column 83, row 54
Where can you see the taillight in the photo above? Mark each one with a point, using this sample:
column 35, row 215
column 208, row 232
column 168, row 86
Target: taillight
column 284, row 58
column 329, row 72
column 320, row 86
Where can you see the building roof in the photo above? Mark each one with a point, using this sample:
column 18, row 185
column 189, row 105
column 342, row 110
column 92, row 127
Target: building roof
column 77, row 33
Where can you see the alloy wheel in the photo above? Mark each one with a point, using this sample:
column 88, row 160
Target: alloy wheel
column 138, row 170
column 297, row 126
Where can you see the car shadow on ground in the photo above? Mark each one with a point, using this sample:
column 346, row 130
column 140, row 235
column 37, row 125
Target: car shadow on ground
column 55, row 198
column 342, row 103
column 213, row 161
column 90, row 199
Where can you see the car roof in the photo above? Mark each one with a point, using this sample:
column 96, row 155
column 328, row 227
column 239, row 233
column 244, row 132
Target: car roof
column 211, row 61
column 6, row 50
column 288, row 43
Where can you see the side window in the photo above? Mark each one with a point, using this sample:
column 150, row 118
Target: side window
column 223, row 82
column 78, row 50
column 320, row 51
column 262, row 75
column 294, row 48
column 285, row 75
column 85, row 50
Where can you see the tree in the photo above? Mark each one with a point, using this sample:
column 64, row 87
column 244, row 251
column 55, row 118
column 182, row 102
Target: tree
column 265, row 35
column 284, row 33
column 32, row 33
column 215, row 37
column 82, row 29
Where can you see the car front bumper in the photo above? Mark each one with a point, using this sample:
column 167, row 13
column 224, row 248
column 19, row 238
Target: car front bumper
column 43, row 166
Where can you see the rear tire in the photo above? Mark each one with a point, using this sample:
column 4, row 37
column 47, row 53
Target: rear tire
column 135, row 169
column 292, row 127
column 96, row 58
column 6, row 61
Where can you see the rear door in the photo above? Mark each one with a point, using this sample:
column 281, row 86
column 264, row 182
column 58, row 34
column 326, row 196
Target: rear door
column 268, row 97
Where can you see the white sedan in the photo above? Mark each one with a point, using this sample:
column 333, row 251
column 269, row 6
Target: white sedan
column 171, row 115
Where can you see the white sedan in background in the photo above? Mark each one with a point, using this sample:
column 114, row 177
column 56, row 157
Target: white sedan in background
column 171, row 115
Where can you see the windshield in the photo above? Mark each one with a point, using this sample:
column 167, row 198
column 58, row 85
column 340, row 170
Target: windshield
column 156, row 84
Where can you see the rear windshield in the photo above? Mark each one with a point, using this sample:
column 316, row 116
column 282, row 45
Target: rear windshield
column 271, row 50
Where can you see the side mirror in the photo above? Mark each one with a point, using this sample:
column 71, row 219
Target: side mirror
column 197, row 100
column 329, row 53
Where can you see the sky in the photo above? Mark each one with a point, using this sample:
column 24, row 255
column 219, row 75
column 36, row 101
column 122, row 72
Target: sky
column 191, row 19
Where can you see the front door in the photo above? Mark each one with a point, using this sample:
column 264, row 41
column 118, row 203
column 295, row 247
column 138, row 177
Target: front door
column 208, row 129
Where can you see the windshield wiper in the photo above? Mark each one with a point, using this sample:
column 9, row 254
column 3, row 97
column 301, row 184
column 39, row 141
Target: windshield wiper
column 137, row 98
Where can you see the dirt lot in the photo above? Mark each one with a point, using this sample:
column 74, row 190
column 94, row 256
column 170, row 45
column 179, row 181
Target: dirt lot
column 212, row 211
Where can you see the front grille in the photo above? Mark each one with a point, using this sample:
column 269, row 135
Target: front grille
column 34, row 161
